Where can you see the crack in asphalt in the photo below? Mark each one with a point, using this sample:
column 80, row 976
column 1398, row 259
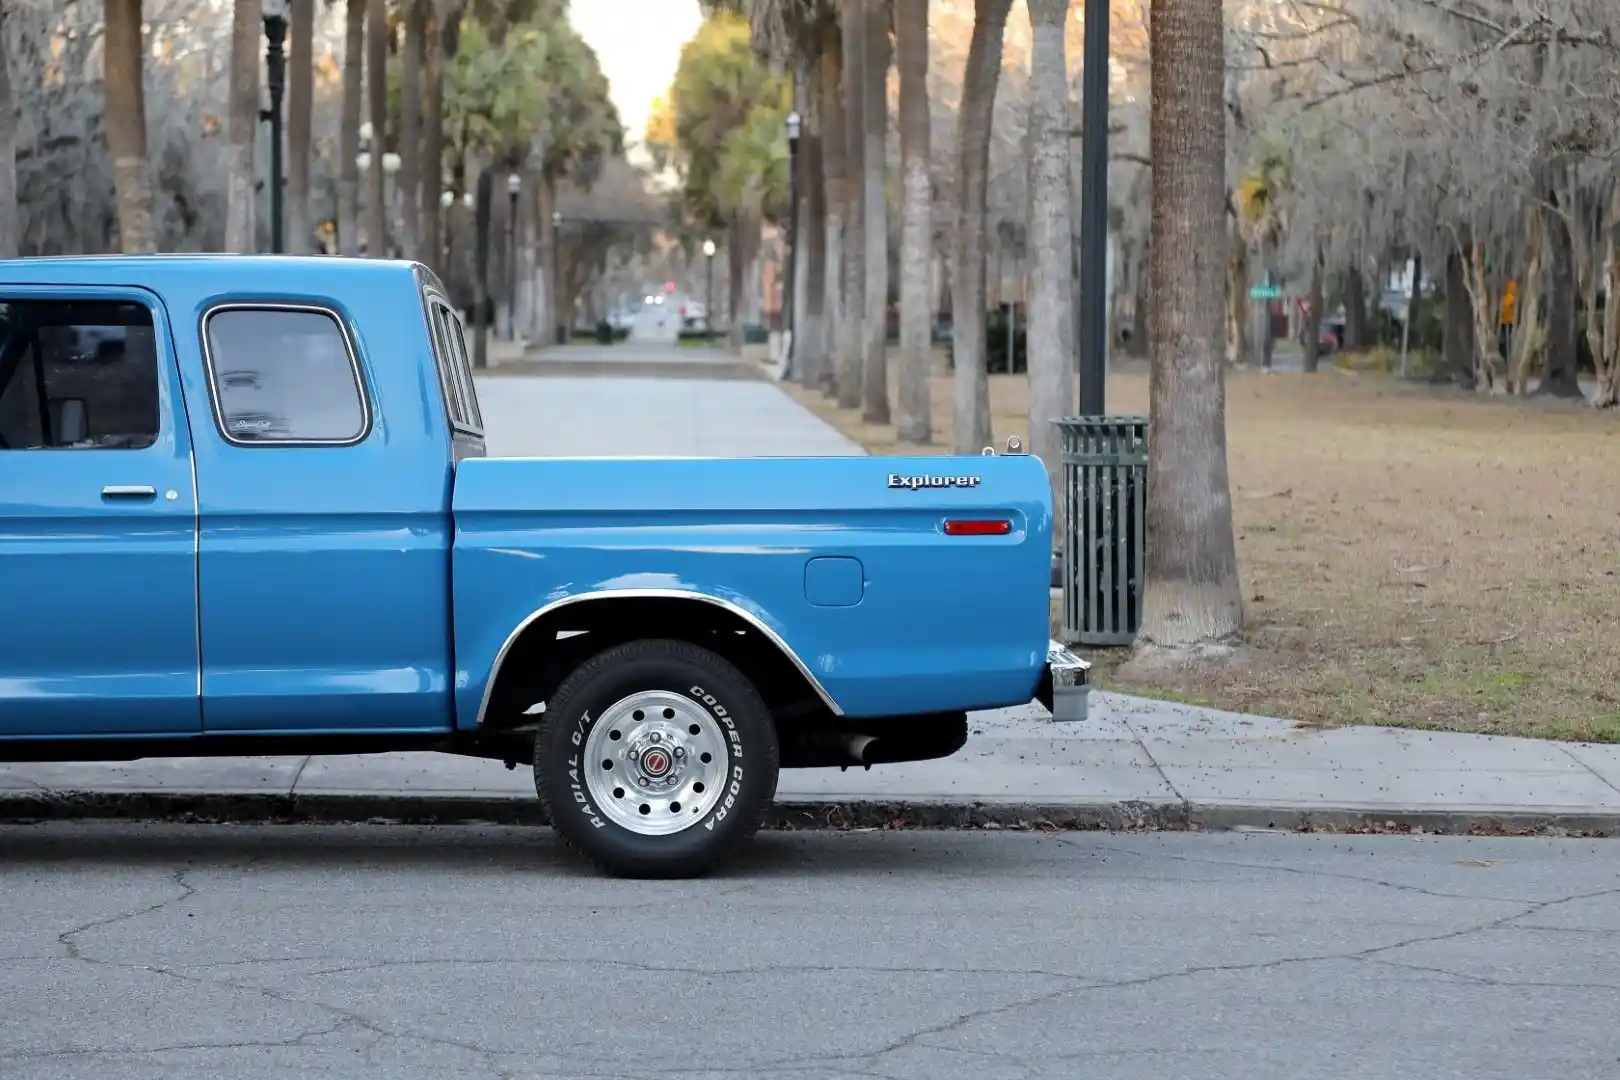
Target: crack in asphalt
column 1330, row 875
column 864, row 1062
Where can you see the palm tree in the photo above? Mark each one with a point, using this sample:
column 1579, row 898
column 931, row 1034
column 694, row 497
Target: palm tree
column 875, row 24
column 914, row 423
column 8, row 153
column 1192, row 595
column 411, row 173
column 354, row 60
column 241, row 221
column 300, row 121
column 851, row 339
column 1051, row 325
column 972, row 405
column 376, row 66
column 126, row 124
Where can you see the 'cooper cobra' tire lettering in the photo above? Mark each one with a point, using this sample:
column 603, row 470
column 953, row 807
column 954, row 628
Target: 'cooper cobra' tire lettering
column 616, row 836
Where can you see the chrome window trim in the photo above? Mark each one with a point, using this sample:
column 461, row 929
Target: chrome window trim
column 361, row 389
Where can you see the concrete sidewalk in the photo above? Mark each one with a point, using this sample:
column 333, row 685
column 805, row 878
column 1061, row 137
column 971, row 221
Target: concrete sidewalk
column 1134, row 763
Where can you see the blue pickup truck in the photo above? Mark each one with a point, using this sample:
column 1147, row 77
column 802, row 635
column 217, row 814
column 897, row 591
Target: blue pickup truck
column 246, row 508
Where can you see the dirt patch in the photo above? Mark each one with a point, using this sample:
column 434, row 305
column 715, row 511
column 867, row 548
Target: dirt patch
column 1408, row 557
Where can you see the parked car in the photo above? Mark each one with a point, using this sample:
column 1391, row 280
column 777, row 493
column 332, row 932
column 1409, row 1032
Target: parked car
column 281, row 534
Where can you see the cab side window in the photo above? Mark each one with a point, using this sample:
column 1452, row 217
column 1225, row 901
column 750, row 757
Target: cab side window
column 77, row 375
column 455, row 370
column 284, row 376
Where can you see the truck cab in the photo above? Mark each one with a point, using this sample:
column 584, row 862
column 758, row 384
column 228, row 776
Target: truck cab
column 246, row 507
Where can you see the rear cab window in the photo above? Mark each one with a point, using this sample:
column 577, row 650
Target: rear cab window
column 283, row 375
column 455, row 367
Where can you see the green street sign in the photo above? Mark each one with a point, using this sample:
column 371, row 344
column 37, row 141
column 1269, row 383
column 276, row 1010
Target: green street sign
column 1265, row 292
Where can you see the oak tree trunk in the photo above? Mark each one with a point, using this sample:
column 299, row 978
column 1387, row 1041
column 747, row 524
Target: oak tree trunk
column 1559, row 377
column 1192, row 595
column 1528, row 341
column 300, row 124
column 122, row 56
column 354, row 62
column 914, row 424
column 875, row 219
column 1050, row 327
column 971, row 411
column 1355, row 308
column 1457, row 347
column 1313, row 318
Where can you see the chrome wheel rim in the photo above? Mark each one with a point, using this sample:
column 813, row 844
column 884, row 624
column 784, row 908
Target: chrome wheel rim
column 655, row 763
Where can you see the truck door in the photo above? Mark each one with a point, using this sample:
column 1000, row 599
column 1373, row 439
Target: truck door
column 324, row 543
column 98, row 518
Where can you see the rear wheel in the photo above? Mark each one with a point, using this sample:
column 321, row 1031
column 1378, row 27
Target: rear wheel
column 656, row 759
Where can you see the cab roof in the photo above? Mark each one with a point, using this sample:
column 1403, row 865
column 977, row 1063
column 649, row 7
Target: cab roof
column 228, row 271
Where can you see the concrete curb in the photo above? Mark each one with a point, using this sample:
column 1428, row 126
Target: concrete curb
column 28, row 807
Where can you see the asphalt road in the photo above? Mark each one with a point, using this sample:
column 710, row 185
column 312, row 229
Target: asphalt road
column 182, row 952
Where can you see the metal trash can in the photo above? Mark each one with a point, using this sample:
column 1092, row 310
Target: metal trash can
column 1105, row 513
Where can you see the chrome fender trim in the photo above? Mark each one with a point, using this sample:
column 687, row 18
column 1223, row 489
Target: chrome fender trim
column 742, row 613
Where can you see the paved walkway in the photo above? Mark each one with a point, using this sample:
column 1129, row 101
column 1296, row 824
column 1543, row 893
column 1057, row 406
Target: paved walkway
column 1134, row 761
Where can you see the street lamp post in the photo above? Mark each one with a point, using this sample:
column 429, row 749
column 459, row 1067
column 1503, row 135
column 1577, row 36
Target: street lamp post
column 790, row 324
column 708, row 291
column 275, row 58
column 1093, row 306
column 514, row 184
column 447, row 199
column 390, row 165
column 564, row 323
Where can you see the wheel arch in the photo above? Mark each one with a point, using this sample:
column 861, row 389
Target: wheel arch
column 534, row 659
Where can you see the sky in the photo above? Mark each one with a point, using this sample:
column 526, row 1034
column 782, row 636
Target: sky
column 639, row 43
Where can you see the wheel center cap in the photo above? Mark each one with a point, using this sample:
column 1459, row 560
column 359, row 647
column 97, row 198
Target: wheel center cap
column 656, row 763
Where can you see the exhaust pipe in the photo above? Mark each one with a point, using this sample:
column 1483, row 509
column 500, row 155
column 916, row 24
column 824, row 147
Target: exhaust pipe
column 856, row 746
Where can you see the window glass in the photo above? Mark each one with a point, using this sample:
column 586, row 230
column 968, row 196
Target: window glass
column 284, row 376
column 77, row 375
column 460, row 367
column 455, row 399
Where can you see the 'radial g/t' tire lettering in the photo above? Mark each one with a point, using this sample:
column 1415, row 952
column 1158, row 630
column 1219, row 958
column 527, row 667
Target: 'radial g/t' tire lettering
column 656, row 758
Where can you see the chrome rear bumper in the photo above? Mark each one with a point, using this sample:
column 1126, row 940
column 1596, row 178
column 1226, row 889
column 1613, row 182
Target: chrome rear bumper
column 1065, row 684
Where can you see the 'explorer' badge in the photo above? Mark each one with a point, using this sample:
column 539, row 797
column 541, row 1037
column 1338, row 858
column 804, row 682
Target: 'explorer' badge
column 915, row 483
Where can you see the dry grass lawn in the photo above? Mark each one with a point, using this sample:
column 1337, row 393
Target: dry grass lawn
column 1408, row 556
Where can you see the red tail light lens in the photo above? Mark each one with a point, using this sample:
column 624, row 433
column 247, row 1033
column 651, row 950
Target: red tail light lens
column 978, row 528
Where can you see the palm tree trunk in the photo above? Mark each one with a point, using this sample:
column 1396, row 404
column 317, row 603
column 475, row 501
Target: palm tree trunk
column 851, row 340
column 122, row 52
column 875, row 220
column 835, row 200
column 1050, row 328
column 377, row 107
column 1192, row 595
column 300, row 122
column 354, row 61
column 8, row 153
column 411, row 186
column 810, row 335
column 915, row 422
column 443, row 42
column 241, row 219
column 972, row 399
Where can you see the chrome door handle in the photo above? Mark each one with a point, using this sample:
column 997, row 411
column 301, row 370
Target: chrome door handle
column 128, row 491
